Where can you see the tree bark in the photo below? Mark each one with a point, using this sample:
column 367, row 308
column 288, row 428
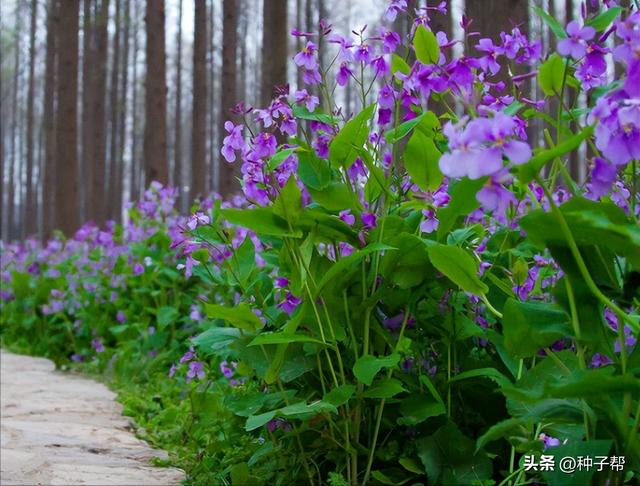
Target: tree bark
column 30, row 223
column 155, row 132
column 88, row 93
column 274, row 42
column 122, row 105
column 177, row 135
column 136, row 170
column 114, row 132
column 198, row 133
column 67, row 215
column 213, row 145
column 15, row 147
column 48, row 115
column 228, row 93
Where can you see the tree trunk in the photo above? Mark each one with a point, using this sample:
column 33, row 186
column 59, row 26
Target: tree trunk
column 213, row 153
column 99, row 125
column 274, row 42
column 48, row 115
column 30, row 223
column 15, row 147
column 155, row 132
column 177, row 142
column 198, row 145
column 67, row 123
column 228, row 93
column 122, row 106
column 114, row 95
column 136, row 170
column 88, row 94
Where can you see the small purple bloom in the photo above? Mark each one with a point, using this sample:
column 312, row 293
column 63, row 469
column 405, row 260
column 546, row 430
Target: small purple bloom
column 306, row 57
column 575, row 45
column 196, row 370
column 97, row 345
column 430, row 222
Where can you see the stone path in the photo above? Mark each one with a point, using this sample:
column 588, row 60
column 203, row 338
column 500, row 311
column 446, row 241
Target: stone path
column 61, row 429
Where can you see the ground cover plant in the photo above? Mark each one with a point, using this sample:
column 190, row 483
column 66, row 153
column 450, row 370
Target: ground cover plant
column 415, row 293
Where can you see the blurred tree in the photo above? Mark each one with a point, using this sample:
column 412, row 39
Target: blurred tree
column 274, row 42
column 67, row 207
column 199, row 107
column 30, row 221
column 155, row 131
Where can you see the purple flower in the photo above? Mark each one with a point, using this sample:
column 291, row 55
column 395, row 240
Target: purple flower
column 188, row 356
column 603, row 176
column 138, row 269
column 394, row 8
column 227, row 370
column 232, row 142
column 281, row 282
column 489, row 61
column 197, row 219
column 369, row 220
column 347, row 217
column 290, row 303
column 549, row 441
column 598, row 360
column 121, row 317
column 306, row 57
column 390, row 40
column 172, row 370
column 430, row 222
column 196, row 370
column 97, row 345
column 344, row 73
column 575, row 45
column 264, row 144
column 310, row 101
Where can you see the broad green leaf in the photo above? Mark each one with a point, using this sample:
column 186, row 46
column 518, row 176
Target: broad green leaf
column 489, row 373
column 288, row 204
column 458, row 266
column 463, row 201
column 385, row 388
column 166, row 316
column 416, row 409
column 340, row 395
column 314, row 172
column 301, row 112
column 282, row 338
column 216, row 338
column 421, row 158
column 551, row 75
column 500, row 430
column 240, row 316
column 335, row 196
column 553, row 24
column 343, row 149
column 367, row 367
column 403, row 129
column 528, row 327
column 529, row 171
column 257, row 421
column 426, row 45
column 279, row 157
column 399, row 65
column 261, row 220
column 304, row 411
column 602, row 21
column 243, row 261
column 592, row 382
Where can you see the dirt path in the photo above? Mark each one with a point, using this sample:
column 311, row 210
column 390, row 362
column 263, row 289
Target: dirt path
column 66, row 430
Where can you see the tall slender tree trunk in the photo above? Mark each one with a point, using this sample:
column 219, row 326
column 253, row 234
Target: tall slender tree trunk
column 299, row 83
column 31, row 215
column 48, row 115
column 67, row 215
column 274, row 42
column 135, row 152
column 2, row 158
column 114, row 95
column 88, row 94
column 155, row 132
column 228, row 92
column 13, row 164
column 213, row 145
column 198, row 140
column 122, row 106
column 177, row 135
column 99, row 124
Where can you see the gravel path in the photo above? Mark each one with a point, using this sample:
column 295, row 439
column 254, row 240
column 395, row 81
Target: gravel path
column 62, row 429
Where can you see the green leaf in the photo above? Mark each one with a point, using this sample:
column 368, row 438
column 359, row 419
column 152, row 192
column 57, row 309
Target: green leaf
column 551, row 75
column 458, row 266
column 240, row 316
column 500, row 430
column 367, row 367
column 489, row 373
column 528, row 327
column 261, row 220
column 301, row 112
column 426, row 45
column 257, row 421
column 421, row 158
column 279, row 157
column 216, row 338
column 399, row 65
column 385, row 388
column 243, row 261
column 416, row 409
column 335, row 196
column 530, row 170
column 166, row 316
column 340, row 395
column 282, row 338
column 553, row 24
column 288, row 204
column 343, row 149
column 304, row 411
column 463, row 201
column 314, row 172
column 402, row 130
column 592, row 382
column 602, row 21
